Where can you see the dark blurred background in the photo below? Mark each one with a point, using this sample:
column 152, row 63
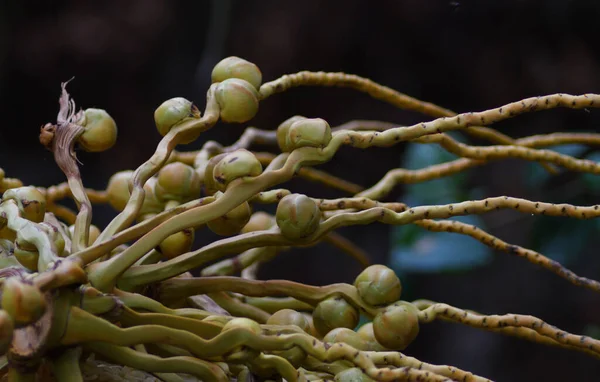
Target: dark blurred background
column 128, row 57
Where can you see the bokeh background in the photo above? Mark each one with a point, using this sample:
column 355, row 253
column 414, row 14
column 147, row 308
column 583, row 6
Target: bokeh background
column 127, row 57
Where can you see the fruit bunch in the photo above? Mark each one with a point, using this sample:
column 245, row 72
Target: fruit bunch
column 140, row 294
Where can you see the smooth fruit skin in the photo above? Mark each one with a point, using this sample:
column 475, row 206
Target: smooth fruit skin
column 177, row 243
column 238, row 100
column 308, row 132
column 289, row 317
column 23, row 302
column 282, row 132
column 177, row 181
column 235, row 67
column 378, row 285
column 237, row 164
column 297, row 216
column 100, row 131
column 232, row 222
column 31, row 202
column 171, row 112
column 332, row 313
column 397, row 325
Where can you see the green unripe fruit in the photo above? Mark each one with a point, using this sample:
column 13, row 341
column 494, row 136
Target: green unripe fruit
column 282, row 132
column 347, row 336
column 235, row 67
column 27, row 257
column 31, row 202
column 210, row 184
column 177, row 181
column 242, row 353
column 368, row 337
column 352, row 375
column 397, row 325
column 308, row 132
column 177, row 244
column 332, row 313
column 238, row 100
column 297, row 216
column 100, row 131
column 117, row 190
column 289, row 317
column 232, row 222
column 7, row 328
column 118, row 193
column 238, row 164
column 172, row 112
column 23, row 302
column 378, row 285
column 259, row 221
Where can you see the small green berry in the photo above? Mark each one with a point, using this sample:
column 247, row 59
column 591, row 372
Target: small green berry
column 238, row 100
column 177, row 181
column 23, row 302
column 232, row 222
column 352, row 375
column 397, row 325
column 332, row 313
column 378, row 285
column 31, row 202
column 259, row 221
column 177, row 244
column 172, row 112
column 297, row 216
column 100, row 131
column 235, row 67
column 238, row 164
column 308, row 132
column 282, row 132
column 289, row 317
column 367, row 335
column 210, row 184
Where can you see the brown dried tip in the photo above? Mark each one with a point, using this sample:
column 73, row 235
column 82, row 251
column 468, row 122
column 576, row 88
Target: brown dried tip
column 47, row 135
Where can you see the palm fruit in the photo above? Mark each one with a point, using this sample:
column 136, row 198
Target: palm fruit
column 100, row 131
column 367, row 336
column 332, row 313
column 378, row 285
column 347, row 336
column 297, row 216
column 7, row 328
column 118, row 193
column 352, row 375
column 23, row 302
column 31, row 202
column 232, row 222
column 173, row 111
column 397, row 325
column 289, row 317
column 242, row 353
column 282, row 132
column 210, row 184
column 259, row 221
column 235, row 67
column 308, row 132
column 177, row 243
column 238, row 100
column 237, row 164
column 177, row 181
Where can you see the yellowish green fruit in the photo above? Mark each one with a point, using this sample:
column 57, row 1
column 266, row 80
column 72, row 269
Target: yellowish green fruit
column 23, row 302
column 232, row 222
column 378, row 285
column 238, row 164
column 368, row 337
column 297, row 216
column 100, row 131
column 31, row 202
column 172, row 112
column 332, row 313
column 177, row 244
column 308, row 132
column 259, row 221
column 237, row 99
column 210, row 184
column 289, row 317
column 177, row 181
column 282, row 132
column 347, row 336
column 235, row 67
column 397, row 325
